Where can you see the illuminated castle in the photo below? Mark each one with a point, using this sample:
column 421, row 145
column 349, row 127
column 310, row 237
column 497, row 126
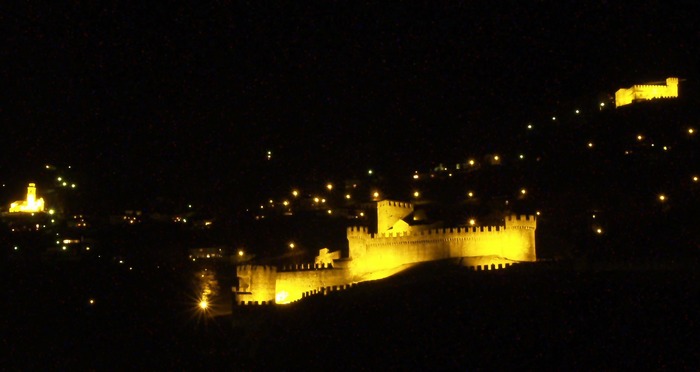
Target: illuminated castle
column 625, row 96
column 31, row 205
column 398, row 245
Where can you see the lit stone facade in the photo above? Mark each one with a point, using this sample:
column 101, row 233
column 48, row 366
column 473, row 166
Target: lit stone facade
column 396, row 247
column 625, row 96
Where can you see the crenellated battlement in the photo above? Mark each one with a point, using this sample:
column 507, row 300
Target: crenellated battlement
column 521, row 222
column 357, row 230
column 396, row 204
column 306, row 267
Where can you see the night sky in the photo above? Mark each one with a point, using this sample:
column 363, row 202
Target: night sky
column 147, row 100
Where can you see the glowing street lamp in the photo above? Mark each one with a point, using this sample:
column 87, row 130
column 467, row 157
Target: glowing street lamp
column 329, row 186
column 662, row 198
column 295, row 193
column 416, row 194
column 472, row 222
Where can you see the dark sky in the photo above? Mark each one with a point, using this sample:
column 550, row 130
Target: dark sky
column 180, row 98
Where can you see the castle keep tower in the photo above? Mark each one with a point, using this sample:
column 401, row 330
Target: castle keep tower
column 389, row 212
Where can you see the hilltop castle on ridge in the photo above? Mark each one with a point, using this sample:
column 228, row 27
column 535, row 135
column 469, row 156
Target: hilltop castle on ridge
column 644, row 92
column 398, row 245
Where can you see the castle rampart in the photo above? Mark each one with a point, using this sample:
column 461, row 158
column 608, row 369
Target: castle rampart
column 373, row 256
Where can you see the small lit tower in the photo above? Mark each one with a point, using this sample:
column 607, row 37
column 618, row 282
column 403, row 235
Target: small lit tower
column 31, row 194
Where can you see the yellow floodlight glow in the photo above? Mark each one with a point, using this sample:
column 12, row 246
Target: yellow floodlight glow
column 329, row 186
column 295, row 193
column 240, row 253
column 590, row 144
column 281, row 297
column 470, row 194
column 375, row 194
column 523, row 191
column 292, row 245
column 472, row 222
column 204, row 304
column 416, row 194
column 640, row 137
column 471, row 162
column 347, row 196
column 695, row 178
column 691, row 131
column 662, row 198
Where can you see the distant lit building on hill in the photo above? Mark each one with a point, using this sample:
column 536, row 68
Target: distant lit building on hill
column 30, row 205
column 645, row 92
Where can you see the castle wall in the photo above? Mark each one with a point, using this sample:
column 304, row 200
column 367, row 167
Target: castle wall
column 256, row 284
column 293, row 285
column 514, row 242
column 379, row 255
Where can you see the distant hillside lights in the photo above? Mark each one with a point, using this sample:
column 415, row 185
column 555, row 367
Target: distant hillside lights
column 31, row 205
column 625, row 96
